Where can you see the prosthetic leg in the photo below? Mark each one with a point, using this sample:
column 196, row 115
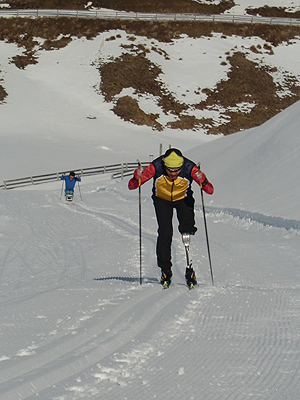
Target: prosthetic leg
column 189, row 272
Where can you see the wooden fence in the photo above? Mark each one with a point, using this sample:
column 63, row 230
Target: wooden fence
column 116, row 170
column 122, row 15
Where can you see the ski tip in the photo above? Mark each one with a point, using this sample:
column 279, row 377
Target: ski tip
column 191, row 286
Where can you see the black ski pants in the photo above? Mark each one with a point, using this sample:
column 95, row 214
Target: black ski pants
column 164, row 215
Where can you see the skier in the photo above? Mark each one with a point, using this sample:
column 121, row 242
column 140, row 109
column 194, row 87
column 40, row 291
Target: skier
column 70, row 184
column 172, row 176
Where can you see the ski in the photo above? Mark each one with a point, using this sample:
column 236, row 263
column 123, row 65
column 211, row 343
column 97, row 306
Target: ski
column 166, row 285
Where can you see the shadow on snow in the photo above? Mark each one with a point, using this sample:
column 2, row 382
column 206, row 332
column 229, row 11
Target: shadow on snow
column 127, row 279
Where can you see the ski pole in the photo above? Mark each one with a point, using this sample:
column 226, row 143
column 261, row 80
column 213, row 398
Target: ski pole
column 79, row 191
column 140, row 222
column 62, row 187
column 206, row 234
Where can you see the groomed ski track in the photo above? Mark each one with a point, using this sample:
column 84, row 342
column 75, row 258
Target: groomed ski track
column 83, row 328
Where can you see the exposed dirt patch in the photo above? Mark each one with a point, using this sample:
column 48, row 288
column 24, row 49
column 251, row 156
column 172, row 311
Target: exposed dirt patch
column 58, row 32
column 3, row 93
column 21, row 61
column 267, row 11
column 247, row 83
column 129, row 71
column 128, row 109
column 56, row 43
column 187, row 6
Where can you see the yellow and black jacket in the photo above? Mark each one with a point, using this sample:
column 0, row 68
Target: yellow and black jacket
column 164, row 187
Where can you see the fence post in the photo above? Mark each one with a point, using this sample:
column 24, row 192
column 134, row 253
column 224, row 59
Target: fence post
column 5, row 187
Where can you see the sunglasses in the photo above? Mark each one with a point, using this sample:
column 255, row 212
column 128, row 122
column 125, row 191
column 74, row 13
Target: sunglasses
column 173, row 169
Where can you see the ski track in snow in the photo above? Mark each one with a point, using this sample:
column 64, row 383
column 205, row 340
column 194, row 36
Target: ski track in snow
column 85, row 347
column 267, row 220
column 79, row 352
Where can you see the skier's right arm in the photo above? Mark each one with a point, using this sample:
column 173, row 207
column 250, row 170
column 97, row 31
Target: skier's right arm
column 145, row 175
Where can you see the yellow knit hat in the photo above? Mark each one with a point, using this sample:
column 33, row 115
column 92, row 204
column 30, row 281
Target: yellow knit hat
column 173, row 160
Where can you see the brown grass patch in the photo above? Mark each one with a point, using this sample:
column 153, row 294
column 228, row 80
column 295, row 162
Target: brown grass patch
column 267, row 11
column 3, row 93
column 187, row 6
column 128, row 109
column 134, row 71
column 247, row 83
column 22, row 61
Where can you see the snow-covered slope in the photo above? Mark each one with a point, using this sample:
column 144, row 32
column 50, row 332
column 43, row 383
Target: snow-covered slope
column 77, row 324
column 257, row 170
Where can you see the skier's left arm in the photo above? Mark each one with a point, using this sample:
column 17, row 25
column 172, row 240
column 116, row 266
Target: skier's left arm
column 77, row 178
column 200, row 178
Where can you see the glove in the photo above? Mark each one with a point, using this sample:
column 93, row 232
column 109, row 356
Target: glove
column 201, row 176
column 137, row 174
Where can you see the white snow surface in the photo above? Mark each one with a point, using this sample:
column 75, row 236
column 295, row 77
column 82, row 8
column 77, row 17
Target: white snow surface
column 75, row 321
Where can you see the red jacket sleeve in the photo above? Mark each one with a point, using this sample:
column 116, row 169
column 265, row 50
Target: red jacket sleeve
column 147, row 174
column 206, row 185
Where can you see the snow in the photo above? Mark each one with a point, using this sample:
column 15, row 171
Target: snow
column 75, row 321
column 241, row 5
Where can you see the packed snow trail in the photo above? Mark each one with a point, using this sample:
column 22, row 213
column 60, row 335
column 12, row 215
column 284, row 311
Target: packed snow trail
column 77, row 324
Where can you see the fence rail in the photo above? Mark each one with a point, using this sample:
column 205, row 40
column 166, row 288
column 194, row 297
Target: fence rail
column 117, row 171
column 123, row 15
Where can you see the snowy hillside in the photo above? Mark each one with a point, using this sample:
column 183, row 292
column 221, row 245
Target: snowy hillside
column 258, row 170
column 75, row 321
column 77, row 324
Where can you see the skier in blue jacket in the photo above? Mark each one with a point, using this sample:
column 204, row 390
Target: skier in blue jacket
column 70, row 181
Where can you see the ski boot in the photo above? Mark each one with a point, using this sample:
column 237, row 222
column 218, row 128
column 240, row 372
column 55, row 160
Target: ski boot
column 165, row 279
column 190, row 277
